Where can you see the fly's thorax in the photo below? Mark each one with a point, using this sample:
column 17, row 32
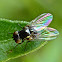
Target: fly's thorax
column 24, row 33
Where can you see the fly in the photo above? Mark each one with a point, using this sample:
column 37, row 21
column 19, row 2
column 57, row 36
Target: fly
column 36, row 30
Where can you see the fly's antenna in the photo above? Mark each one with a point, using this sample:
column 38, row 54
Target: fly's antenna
column 10, row 33
column 20, row 25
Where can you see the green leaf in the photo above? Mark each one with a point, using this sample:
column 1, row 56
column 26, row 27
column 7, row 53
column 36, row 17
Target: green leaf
column 7, row 43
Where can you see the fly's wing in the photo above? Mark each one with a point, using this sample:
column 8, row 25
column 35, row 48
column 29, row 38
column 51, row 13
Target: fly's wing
column 40, row 24
column 42, row 20
column 47, row 34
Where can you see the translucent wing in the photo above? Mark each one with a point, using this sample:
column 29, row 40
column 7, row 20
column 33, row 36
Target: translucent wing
column 42, row 20
column 47, row 34
column 40, row 24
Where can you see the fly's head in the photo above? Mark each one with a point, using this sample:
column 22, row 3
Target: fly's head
column 16, row 37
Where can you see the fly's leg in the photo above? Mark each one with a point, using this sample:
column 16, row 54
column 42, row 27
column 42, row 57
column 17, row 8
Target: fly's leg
column 26, row 45
column 20, row 26
column 17, row 45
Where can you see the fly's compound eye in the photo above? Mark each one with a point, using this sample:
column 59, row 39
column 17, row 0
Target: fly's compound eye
column 16, row 32
column 15, row 35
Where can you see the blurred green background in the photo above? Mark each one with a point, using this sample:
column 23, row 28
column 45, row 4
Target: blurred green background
column 26, row 10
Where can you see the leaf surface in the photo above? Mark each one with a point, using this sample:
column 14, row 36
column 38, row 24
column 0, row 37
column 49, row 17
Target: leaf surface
column 7, row 43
